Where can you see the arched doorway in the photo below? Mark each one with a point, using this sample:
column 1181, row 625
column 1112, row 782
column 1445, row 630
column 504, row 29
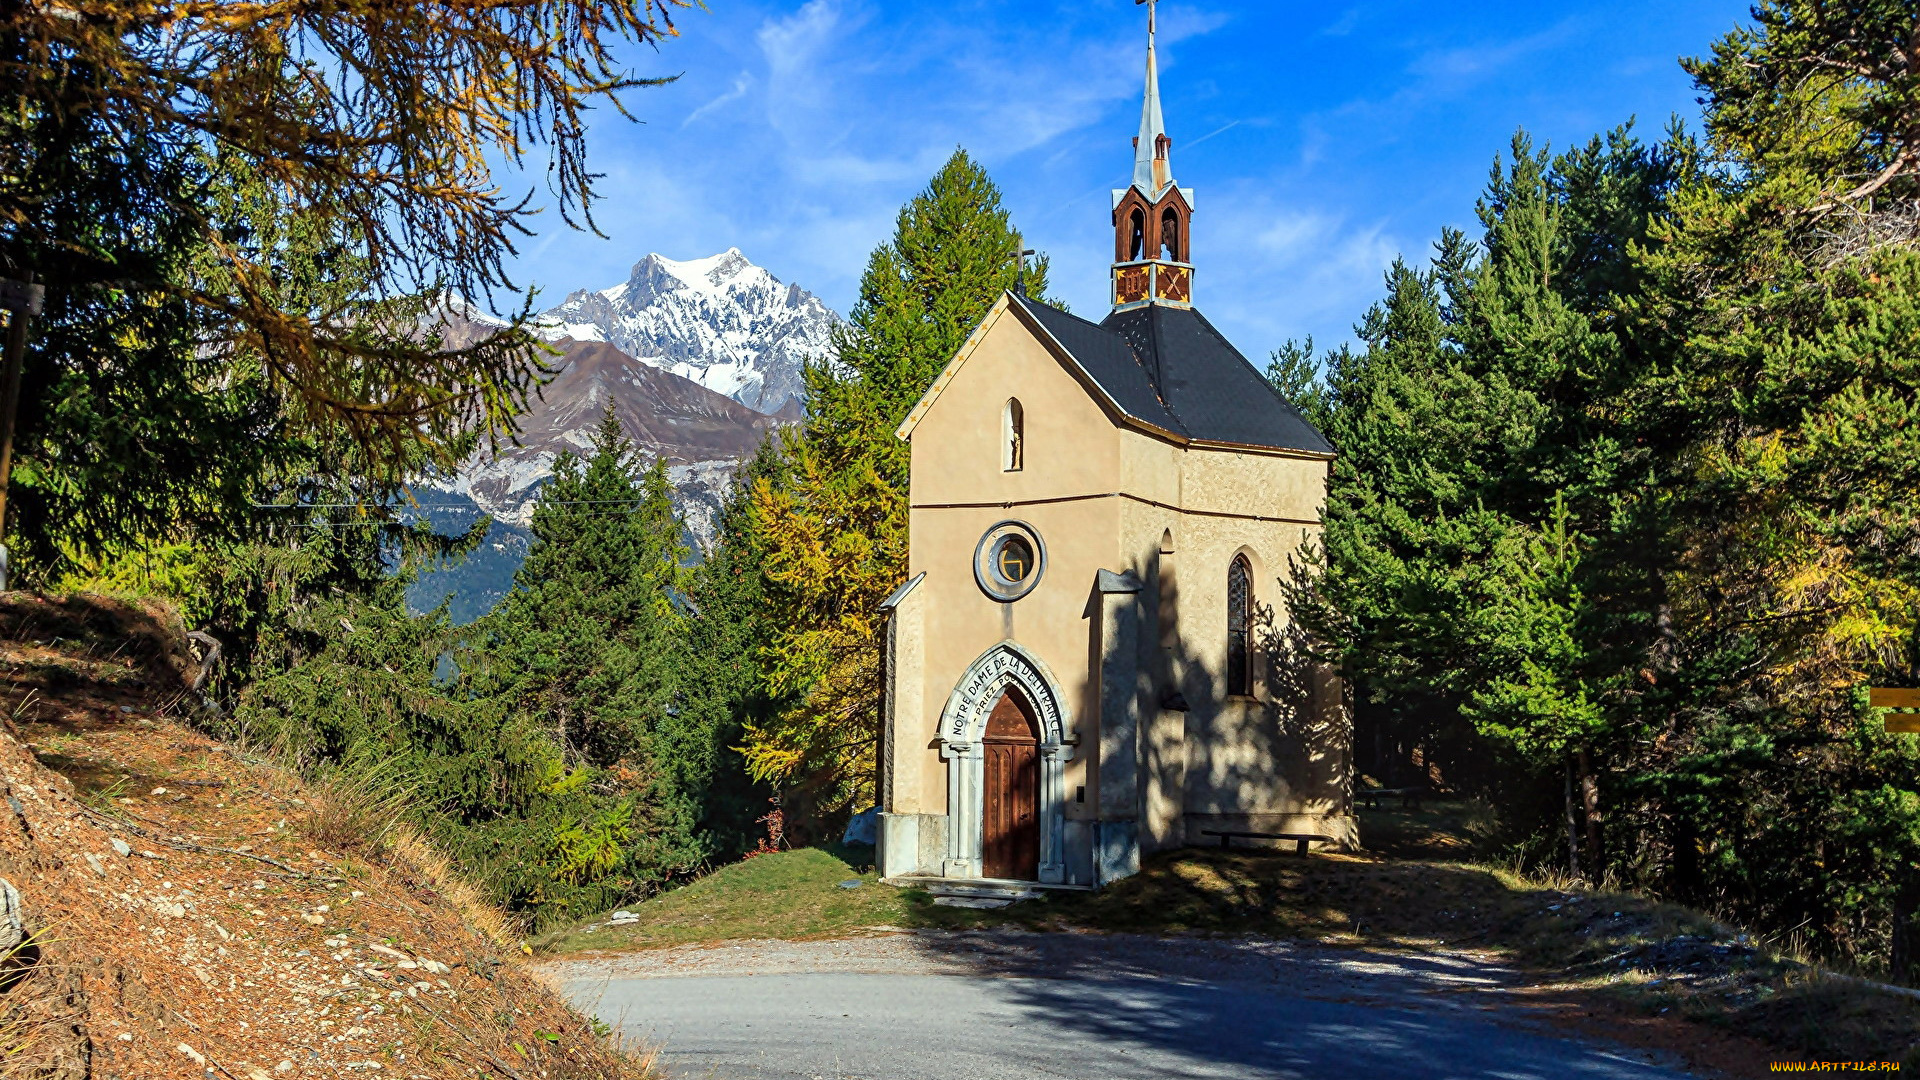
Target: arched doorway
column 1010, row 819
column 1009, row 691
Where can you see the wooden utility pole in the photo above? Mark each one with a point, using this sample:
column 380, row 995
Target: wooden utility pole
column 21, row 300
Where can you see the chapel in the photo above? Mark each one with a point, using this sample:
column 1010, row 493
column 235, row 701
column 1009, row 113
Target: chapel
column 1090, row 658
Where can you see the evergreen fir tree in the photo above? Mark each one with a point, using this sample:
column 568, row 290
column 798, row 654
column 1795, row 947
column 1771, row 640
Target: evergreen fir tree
column 1293, row 372
column 547, row 739
column 585, row 650
column 728, row 685
column 1784, row 303
column 1480, row 557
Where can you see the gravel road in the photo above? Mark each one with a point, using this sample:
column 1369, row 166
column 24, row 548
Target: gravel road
column 1007, row 1005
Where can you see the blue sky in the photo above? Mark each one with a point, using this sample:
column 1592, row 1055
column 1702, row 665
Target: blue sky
column 1322, row 140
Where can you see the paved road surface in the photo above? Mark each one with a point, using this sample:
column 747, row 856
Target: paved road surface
column 921, row 1008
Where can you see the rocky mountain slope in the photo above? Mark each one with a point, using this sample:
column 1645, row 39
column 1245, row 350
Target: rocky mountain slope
column 701, row 358
column 702, row 435
column 721, row 321
column 181, row 911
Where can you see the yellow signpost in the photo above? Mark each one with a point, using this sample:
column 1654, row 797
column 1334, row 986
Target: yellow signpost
column 1905, row 701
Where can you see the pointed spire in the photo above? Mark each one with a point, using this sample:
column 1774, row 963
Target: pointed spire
column 1152, row 254
column 1152, row 171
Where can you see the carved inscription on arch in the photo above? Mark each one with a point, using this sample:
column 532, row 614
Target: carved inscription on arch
column 982, row 686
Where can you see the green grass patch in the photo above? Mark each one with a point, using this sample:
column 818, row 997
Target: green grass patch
column 791, row 895
column 798, row 895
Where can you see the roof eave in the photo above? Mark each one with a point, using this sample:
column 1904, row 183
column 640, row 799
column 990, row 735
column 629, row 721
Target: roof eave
column 1258, row 448
column 1107, row 400
column 905, row 430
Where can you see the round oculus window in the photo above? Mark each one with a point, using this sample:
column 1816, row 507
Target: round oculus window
column 1012, row 559
column 1009, row 560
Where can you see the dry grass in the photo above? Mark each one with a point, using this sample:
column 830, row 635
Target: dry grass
column 420, row 861
column 37, row 1033
column 353, row 942
column 369, row 810
column 356, row 809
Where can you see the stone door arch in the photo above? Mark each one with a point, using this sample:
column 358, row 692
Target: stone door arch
column 963, row 727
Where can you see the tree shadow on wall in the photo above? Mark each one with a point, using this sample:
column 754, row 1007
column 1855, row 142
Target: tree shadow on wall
column 1194, row 745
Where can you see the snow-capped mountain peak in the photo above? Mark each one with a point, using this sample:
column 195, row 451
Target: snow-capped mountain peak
column 721, row 321
column 715, row 273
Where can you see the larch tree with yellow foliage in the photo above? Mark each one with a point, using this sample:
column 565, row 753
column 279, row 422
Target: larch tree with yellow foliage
column 834, row 521
column 243, row 214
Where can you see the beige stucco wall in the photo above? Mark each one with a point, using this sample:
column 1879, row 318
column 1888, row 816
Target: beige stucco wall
column 1102, row 495
column 1072, row 449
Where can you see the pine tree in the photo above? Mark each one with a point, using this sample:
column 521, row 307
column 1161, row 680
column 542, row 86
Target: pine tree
column 835, row 531
column 585, row 649
column 547, row 742
column 1293, row 372
column 1479, row 547
column 1627, row 504
column 1784, row 303
column 594, row 597
column 727, row 683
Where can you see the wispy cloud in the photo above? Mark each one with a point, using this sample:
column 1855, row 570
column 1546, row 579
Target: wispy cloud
column 1344, row 25
column 1319, row 138
column 741, row 84
column 1222, row 129
column 1180, row 22
column 1457, row 66
column 1297, row 270
column 795, row 49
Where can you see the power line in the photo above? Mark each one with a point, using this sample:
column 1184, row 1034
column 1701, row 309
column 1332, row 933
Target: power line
column 403, row 524
column 428, row 506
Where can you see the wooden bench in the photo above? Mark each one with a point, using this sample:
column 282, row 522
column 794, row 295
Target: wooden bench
column 1409, row 796
column 1301, row 840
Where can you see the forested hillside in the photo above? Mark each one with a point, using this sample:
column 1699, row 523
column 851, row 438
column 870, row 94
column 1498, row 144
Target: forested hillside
column 1626, row 511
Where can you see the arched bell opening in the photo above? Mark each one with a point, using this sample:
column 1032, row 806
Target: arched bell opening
column 1171, row 241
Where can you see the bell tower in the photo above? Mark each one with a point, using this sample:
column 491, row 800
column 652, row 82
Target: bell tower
column 1151, row 259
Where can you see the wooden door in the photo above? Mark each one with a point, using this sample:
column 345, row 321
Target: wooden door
column 1010, row 846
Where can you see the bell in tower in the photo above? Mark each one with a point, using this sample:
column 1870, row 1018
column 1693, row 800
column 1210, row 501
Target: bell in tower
column 1151, row 262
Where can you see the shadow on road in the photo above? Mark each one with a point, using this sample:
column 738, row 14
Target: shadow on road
column 1263, row 1008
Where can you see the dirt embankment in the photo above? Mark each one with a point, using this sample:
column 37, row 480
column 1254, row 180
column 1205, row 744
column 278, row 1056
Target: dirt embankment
column 190, row 913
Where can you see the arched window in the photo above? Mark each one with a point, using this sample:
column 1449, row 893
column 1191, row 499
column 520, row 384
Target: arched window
column 1014, row 437
column 1138, row 248
column 1170, row 235
column 1239, row 628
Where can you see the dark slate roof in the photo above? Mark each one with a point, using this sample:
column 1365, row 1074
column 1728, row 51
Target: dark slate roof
column 1168, row 366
